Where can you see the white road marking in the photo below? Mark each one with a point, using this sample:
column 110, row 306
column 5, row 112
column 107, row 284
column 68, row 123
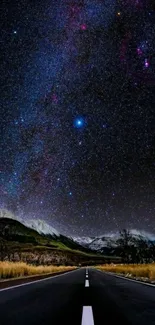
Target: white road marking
column 132, row 280
column 28, row 283
column 87, row 283
column 86, row 276
column 87, row 316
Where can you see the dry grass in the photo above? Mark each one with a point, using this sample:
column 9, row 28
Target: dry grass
column 13, row 270
column 133, row 270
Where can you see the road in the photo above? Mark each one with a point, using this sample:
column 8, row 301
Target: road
column 79, row 299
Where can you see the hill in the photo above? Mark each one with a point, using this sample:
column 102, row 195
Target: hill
column 19, row 242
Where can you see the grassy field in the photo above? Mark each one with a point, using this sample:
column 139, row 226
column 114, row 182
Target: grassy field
column 10, row 270
column 146, row 271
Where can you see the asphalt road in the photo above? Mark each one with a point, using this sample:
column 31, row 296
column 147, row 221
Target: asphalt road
column 61, row 300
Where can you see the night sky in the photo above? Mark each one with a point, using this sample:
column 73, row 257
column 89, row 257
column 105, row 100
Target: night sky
column 78, row 113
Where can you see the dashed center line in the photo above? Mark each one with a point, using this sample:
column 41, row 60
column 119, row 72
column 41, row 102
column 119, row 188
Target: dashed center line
column 87, row 316
column 87, row 283
column 87, row 313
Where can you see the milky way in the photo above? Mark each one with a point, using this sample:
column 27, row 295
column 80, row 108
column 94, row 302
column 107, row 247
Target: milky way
column 78, row 119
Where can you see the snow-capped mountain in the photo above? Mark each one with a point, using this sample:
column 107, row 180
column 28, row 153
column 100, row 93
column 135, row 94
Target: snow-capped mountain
column 109, row 240
column 105, row 243
column 39, row 225
column 99, row 243
column 7, row 214
column 146, row 235
column 84, row 241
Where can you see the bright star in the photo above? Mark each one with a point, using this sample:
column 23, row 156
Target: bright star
column 146, row 63
column 79, row 122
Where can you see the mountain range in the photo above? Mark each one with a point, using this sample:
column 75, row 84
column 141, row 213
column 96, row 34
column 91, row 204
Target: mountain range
column 39, row 225
column 35, row 240
column 107, row 241
column 35, row 230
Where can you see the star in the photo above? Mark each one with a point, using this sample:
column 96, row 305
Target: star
column 139, row 51
column 147, row 63
column 83, row 27
column 79, row 122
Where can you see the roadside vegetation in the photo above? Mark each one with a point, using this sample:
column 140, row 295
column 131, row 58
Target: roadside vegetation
column 10, row 270
column 142, row 271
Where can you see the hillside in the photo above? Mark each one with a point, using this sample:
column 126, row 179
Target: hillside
column 13, row 230
column 21, row 243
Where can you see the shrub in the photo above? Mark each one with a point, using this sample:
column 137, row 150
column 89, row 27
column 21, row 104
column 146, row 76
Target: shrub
column 15, row 269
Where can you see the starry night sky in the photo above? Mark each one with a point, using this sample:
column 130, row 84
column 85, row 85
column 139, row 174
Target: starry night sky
column 78, row 113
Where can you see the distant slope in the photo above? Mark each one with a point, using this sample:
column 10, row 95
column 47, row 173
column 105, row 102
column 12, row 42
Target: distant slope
column 108, row 243
column 35, row 231
column 20, row 243
column 39, row 225
column 13, row 230
column 84, row 241
column 42, row 227
column 37, row 243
